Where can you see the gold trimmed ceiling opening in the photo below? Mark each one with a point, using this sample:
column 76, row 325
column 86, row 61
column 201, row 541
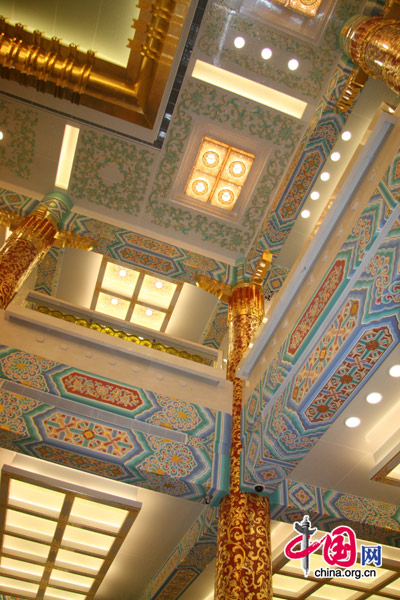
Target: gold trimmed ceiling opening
column 133, row 93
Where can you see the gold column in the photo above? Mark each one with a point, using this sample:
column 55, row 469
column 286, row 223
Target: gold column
column 244, row 545
column 28, row 244
column 373, row 43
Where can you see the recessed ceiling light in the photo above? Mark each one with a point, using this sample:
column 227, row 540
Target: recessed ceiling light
column 149, row 312
column 1, row 135
column 314, row 195
column 67, row 154
column 239, row 42
column 374, row 397
column 346, row 136
column 225, row 196
column 394, row 371
column 114, row 301
column 293, row 64
column 325, row 176
column 252, row 90
column 200, row 186
column 122, row 272
column 335, row 156
column 211, row 158
column 158, row 285
column 352, row 422
column 266, row 53
column 305, row 213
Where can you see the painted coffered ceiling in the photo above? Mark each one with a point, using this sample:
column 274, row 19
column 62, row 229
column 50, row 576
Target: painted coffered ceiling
column 128, row 191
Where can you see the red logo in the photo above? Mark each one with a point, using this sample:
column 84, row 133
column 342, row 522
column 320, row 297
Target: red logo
column 339, row 548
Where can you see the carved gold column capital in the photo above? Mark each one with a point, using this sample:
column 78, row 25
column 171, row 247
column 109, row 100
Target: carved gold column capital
column 27, row 245
column 373, row 44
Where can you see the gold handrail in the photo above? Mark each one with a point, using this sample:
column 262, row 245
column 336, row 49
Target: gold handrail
column 130, row 337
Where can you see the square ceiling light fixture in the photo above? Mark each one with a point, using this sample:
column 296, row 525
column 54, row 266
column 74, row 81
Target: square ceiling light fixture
column 134, row 296
column 309, row 8
column 57, row 543
column 218, row 174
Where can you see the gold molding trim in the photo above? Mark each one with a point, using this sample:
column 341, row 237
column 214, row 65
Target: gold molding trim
column 133, row 93
column 383, row 474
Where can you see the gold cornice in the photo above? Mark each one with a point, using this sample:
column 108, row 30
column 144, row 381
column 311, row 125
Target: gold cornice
column 133, row 93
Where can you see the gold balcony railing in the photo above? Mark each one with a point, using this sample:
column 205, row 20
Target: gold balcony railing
column 130, row 337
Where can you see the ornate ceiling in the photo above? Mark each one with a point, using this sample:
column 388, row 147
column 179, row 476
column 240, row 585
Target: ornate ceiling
column 332, row 290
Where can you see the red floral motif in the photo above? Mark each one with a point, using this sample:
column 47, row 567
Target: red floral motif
column 350, row 375
column 94, row 388
column 317, row 305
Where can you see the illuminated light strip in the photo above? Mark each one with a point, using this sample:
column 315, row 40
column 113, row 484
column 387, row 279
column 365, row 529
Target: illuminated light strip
column 67, row 156
column 249, row 89
column 97, row 539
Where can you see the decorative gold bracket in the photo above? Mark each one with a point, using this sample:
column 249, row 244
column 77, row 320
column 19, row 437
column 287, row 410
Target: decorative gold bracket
column 262, row 267
column 223, row 291
column 63, row 238
column 356, row 81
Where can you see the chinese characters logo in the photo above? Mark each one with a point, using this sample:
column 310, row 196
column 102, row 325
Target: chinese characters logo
column 339, row 549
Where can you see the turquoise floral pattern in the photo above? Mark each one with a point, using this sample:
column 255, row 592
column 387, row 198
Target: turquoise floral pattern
column 18, row 125
column 282, row 133
column 111, row 172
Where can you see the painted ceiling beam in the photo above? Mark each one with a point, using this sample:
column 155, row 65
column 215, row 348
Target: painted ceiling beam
column 348, row 327
column 81, row 420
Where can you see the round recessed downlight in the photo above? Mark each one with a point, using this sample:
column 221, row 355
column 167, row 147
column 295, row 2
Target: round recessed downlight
column 122, row 273
column 199, row 186
column 374, row 397
column 1, row 135
column 149, row 312
column 239, row 42
column 346, row 136
column 266, row 53
column 237, row 168
column 210, row 159
column 158, row 285
column 335, row 156
column 225, row 196
column 314, row 195
column 114, row 301
column 394, row 371
column 352, row 422
column 325, row 176
column 305, row 213
column 293, row 64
